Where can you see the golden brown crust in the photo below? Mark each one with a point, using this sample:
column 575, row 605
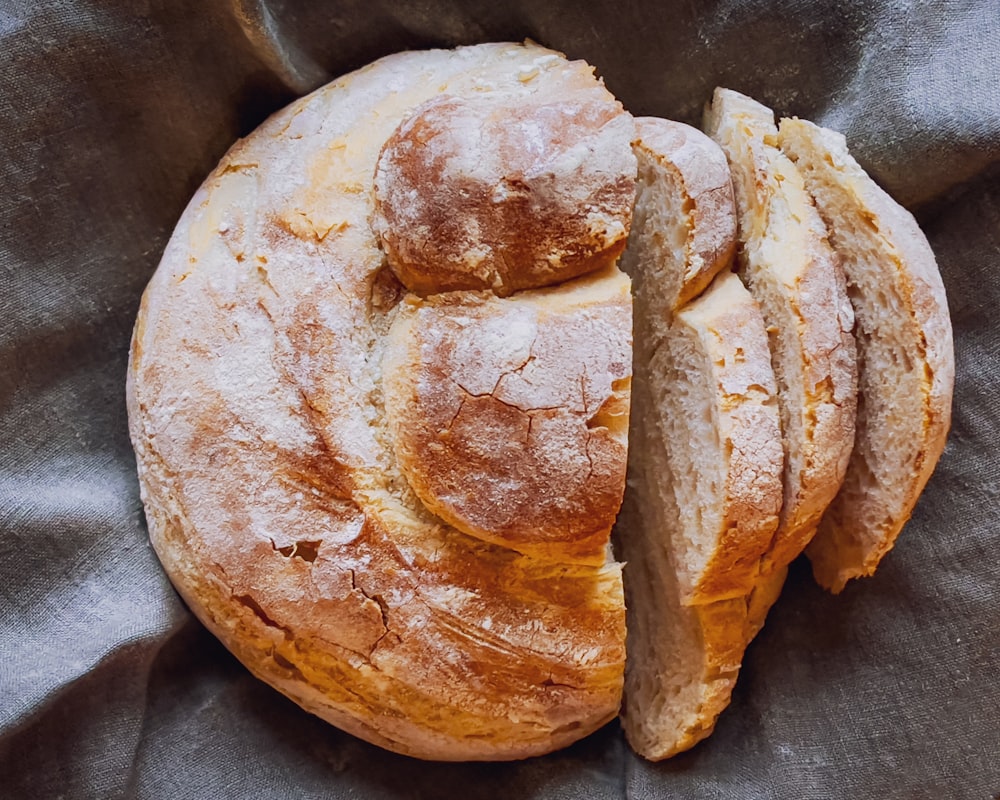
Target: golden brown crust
column 905, row 353
column 508, row 190
column 764, row 595
column 509, row 416
column 271, row 489
column 792, row 271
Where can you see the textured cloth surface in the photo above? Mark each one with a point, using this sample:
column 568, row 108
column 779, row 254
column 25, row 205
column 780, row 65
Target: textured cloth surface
column 111, row 114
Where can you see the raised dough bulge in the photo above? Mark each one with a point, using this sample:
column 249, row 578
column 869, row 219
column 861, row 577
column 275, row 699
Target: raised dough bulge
column 509, row 416
column 508, row 190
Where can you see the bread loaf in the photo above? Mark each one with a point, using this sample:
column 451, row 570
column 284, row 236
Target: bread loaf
column 361, row 543
column 382, row 391
column 705, row 456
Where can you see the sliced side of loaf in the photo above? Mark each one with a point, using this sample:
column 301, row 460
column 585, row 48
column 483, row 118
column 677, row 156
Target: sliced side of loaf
column 705, row 450
column 791, row 270
column 705, row 445
column 683, row 234
column 905, row 354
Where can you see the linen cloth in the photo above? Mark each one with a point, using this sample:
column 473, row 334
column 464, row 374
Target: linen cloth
column 111, row 114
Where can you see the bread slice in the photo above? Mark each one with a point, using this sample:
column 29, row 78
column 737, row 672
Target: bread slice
column 683, row 213
column 905, row 353
column 696, row 519
column 791, row 270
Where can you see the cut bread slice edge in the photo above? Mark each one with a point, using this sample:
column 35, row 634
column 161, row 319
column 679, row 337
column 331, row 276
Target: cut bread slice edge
column 683, row 234
column 905, row 352
column 684, row 211
column 684, row 655
column 790, row 268
column 705, row 455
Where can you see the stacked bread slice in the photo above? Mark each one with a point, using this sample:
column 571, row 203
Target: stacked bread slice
column 905, row 355
column 704, row 488
column 791, row 270
column 746, row 394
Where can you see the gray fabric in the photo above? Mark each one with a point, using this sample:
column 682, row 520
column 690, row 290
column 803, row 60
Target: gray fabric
column 111, row 114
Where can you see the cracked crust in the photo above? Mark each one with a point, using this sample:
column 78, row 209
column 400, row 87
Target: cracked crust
column 685, row 177
column 509, row 416
column 270, row 483
column 508, row 190
column 787, row 263
column 905, row 355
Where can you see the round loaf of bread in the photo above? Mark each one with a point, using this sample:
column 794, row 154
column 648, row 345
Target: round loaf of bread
column 395, row 507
